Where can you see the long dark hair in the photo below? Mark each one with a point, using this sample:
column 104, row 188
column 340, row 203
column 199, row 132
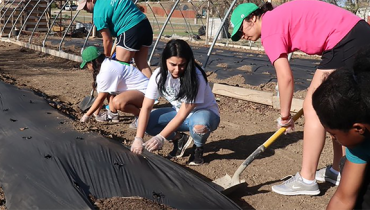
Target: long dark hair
column 267, row 6
column 188, row 81
column 96, row 64
column 344, row 97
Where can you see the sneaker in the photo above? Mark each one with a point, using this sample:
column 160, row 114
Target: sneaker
column 196, row 158
column 180, row 145
column 133, row 125
column 102, row 117
column 326, row 175
column 296, row 186
column 114, row 117
column 107, row 116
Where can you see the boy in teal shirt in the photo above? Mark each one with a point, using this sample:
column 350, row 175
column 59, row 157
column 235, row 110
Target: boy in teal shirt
column 344, row 110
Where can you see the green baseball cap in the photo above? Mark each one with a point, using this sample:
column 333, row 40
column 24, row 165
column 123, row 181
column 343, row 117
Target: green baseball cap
column 89, row 54
column 239, row 14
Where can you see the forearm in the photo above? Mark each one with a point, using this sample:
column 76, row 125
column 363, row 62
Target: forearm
column 286, row 88
column 340, row 203
column 144, row 117
column 181, row 115
column 97, row 104
column 94, row 107
column 107, row 41
column 350, row 185
column 142, row 122
column 285, row 83
column 172, row 126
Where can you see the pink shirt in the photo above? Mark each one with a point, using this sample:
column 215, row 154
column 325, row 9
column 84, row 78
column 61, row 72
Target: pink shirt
column 311, row 26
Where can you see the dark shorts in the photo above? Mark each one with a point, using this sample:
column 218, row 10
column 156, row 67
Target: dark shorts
column 342, row 55
column 136, row 37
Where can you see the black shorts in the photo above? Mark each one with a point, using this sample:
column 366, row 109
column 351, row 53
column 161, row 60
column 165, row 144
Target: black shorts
column 136, row 37
column 343, row 54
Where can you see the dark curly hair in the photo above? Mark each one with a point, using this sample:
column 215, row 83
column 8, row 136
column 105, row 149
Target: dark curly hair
column 344, row 96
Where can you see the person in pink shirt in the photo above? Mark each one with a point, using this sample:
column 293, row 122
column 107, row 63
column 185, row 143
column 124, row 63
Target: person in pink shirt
column 316, row 28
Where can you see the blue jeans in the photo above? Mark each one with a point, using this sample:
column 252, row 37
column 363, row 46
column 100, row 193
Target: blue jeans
column 159, row 119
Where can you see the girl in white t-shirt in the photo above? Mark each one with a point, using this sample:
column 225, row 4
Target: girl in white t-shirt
column 184, row 84
column 122, row 84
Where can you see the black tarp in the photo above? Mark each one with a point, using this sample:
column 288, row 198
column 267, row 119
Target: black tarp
column 46, row 164
column 227, row 62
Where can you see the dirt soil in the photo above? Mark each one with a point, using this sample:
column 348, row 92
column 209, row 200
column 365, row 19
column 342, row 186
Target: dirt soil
column 244, row 126
column 130, row 203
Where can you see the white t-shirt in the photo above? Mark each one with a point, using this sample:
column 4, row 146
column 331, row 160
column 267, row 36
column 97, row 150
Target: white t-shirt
column 115, row 77
column 205, row 99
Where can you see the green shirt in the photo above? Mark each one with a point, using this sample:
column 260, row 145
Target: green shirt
column 116, row 15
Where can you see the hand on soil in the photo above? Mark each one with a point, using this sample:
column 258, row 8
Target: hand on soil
column 155, row 143
column 137, row 145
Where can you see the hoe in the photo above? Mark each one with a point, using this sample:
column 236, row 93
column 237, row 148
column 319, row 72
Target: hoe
column 227, row 184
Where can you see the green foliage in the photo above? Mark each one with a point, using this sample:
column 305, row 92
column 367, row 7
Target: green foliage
column 53, row 5
column 352, row 7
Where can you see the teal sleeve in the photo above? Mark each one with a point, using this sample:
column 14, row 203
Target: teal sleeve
column 356, row 156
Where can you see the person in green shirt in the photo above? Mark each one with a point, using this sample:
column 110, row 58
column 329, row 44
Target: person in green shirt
column 123, row 20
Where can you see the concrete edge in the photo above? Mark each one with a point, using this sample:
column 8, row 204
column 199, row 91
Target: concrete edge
column 52, row 52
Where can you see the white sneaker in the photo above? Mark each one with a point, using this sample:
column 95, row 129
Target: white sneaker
column 114, row 117
column 107, row 116
column 133, row 125
column 296, row 186
column 326, row 175
column 102, row 117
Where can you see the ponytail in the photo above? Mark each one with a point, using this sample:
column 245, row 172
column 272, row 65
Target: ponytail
column 96, row 65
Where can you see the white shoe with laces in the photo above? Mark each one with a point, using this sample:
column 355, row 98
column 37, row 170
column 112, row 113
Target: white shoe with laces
column 296, row 186
column 326, row 175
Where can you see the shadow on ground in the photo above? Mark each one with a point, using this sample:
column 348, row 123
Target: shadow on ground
column 243, row 146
